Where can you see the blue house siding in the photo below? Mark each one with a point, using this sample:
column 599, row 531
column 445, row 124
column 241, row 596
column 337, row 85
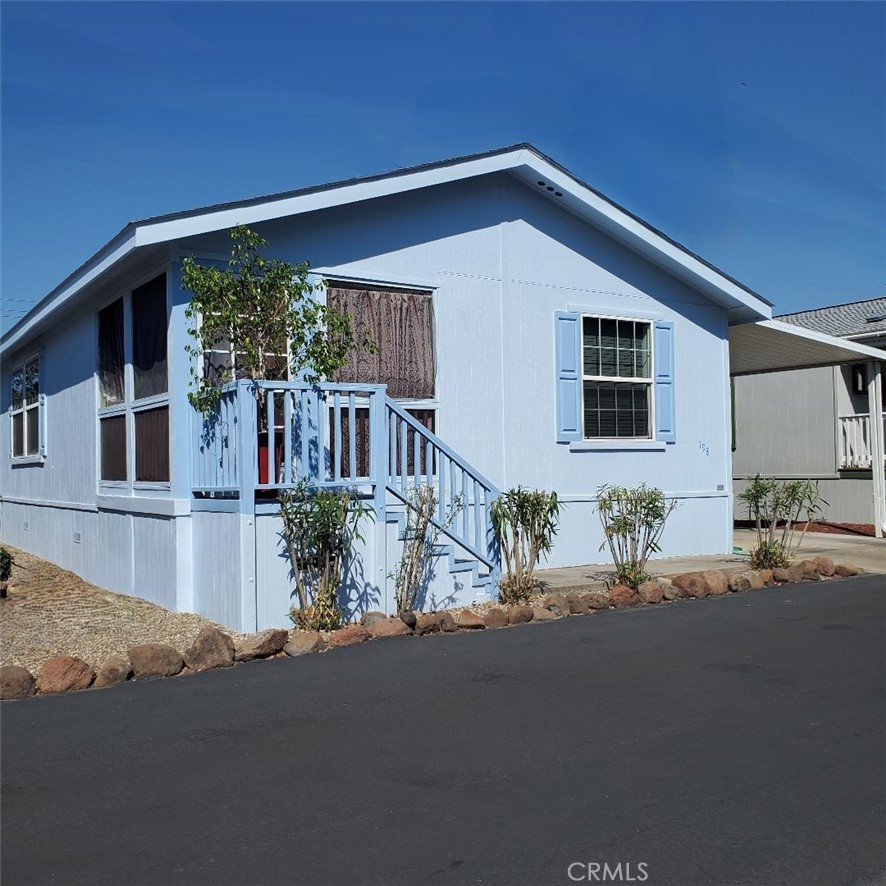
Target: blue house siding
column 501, row 261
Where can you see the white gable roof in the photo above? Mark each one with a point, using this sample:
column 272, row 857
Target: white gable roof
column 521, row 161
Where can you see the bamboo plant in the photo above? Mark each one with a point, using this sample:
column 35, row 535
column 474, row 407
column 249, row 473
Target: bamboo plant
column 633, row 522
column 773, row 505
column 524, row 523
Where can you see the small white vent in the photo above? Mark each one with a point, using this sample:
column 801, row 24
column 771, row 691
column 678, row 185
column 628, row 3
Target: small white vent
column 77, row 536
column 25, row 525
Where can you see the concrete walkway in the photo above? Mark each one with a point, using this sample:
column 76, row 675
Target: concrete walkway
column 868, row 553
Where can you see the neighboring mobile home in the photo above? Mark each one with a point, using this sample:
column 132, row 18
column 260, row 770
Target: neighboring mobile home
column 531, row 332
column 818, row 422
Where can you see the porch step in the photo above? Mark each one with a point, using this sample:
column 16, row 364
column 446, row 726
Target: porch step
column 481, row 578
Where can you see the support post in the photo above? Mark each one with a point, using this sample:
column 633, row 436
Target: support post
column 247, row 453
column 378, row 460
column 878, row 447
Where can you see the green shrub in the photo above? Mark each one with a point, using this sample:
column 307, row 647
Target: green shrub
column 320, row 529
column 633, row 522
column 6, row 562
column 524, row 523
column 773, row 505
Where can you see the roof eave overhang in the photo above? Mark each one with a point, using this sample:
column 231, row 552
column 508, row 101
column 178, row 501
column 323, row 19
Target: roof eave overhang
column 523, row 162
column 774, row 346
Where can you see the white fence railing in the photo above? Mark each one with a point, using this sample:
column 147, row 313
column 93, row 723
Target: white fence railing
column 855, row 440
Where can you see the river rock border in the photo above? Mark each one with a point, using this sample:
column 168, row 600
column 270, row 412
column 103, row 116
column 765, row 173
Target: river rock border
column 213, row 648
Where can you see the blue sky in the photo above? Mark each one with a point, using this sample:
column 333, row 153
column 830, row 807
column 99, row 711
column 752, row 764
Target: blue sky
column 754, row 133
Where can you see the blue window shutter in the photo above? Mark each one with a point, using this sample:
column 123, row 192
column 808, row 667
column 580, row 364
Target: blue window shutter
column 663, row 356
column 567, row 331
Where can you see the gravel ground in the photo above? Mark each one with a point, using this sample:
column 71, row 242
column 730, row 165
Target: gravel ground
column 49, row 612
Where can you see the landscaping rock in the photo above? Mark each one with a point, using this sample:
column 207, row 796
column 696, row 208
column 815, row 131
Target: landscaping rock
column 409, row 619
column 668, row 591
column 304, row 642
column 796, row 573
column 468, row 620
column 518, row 615
column 766, row 577
column 623, row 597
column 155, row 660
column 370, row 618
column 825, row 566
column 716, row 582
column 846, row 570
column 261, row 645
column 556, row 603
column 597, row 599
column 810, row 570
column 650, row 592
column 780, row 575
column 64, row 673
column 389, row 627
column 690, row 584
column 16, row 682
column 446, row 622
column 738, row 581
column 755, row 579
column 116, row 669
column 495, row 618
column 427, row 623
column 211, row 649
column 541, row 614
column 350, row 635
column 576, row 604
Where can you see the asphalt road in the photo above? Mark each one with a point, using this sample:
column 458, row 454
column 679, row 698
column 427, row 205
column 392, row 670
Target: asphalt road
column 730, row 741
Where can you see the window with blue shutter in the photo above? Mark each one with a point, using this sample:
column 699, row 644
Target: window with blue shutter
column 665, row 407
column 606, row 389
column 567, row 331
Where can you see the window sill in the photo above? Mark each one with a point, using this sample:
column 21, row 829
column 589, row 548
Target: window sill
column 23, row 460
column 618, row 446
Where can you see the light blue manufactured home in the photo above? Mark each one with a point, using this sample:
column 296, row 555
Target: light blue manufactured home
column 532, row 332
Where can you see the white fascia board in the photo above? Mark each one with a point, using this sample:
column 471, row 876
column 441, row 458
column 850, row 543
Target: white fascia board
column 852, row 348
column 114, row 252
column 624, row 226
column 224, row 218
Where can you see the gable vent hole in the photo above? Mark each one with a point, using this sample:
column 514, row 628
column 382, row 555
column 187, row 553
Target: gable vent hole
column 541, row 184
column 550, row 188
column 558, row 193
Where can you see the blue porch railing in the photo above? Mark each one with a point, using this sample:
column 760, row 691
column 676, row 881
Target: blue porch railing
column 340, row 436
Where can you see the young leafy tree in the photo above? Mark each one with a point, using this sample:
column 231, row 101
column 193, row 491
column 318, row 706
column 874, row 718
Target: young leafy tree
column 320, row 529
column 265, row 309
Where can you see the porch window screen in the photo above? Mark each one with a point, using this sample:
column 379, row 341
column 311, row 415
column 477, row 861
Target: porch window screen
column 113, row 447
column 149, row 338
column 152, row 445
column 426, row 417
column 110, row 353
column 401, row 325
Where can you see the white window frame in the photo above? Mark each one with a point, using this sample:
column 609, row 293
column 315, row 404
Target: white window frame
column 649, row 382
column 39, row 405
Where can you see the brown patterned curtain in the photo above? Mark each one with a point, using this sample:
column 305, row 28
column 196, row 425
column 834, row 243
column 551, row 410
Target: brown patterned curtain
column 401, row 324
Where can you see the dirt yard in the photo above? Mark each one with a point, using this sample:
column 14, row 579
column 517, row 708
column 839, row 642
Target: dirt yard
column 49, row 611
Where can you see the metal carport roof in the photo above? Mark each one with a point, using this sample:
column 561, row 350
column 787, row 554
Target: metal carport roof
column 772, row 345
